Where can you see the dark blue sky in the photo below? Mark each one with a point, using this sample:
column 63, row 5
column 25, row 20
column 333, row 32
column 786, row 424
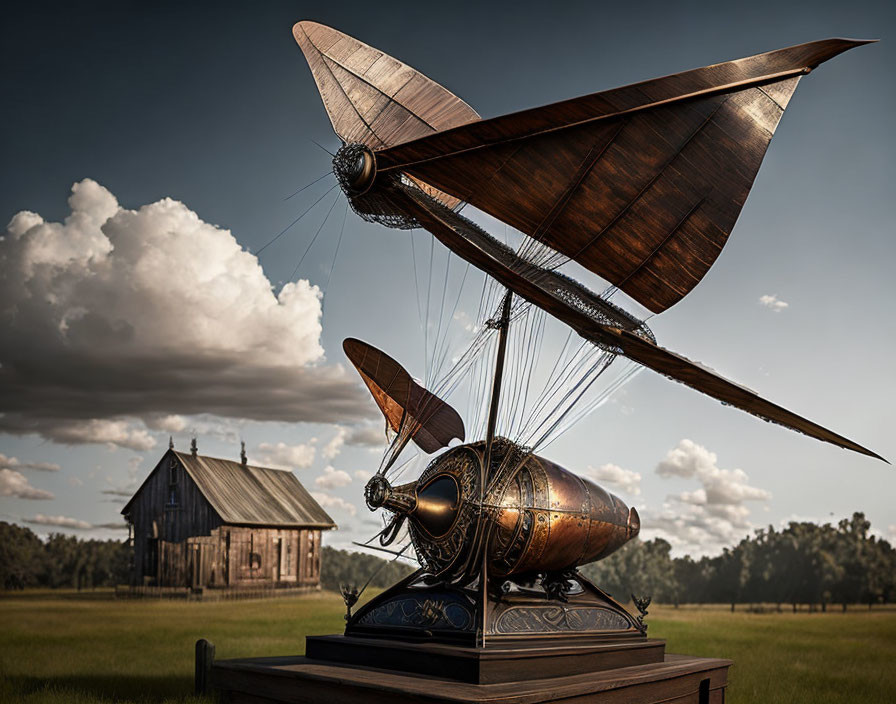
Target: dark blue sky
column 212, row 104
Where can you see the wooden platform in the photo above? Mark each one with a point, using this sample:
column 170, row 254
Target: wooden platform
column 678, row 679
column 502, row 662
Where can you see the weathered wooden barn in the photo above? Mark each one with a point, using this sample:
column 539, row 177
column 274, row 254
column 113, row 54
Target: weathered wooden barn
column 206, row 523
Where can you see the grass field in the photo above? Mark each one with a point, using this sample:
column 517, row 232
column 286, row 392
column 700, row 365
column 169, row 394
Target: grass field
column 65, row 650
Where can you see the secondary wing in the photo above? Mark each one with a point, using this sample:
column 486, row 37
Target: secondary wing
column 640, row 184
column 579, row 308
column 407, row 406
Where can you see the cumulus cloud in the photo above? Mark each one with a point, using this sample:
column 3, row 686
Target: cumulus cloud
column 60, row 521
column 124, row 493
column 168, row 423
column 15, row 463
column 367, row 435
column 328, row 501
column 333, row 478
column 15, row 484
column 334, row 446
column 773, row 302
column 615, row 477
column 153, row 313
column 363, row 475
column 283, row 456
column 67, row 522
column 711, row 515
column 120, row 433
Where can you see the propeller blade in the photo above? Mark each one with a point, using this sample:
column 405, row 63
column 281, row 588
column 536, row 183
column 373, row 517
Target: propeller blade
column 432, row 422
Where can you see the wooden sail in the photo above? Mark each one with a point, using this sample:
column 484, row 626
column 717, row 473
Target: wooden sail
column 573, row 304
column 373, row 99
column 407, row 406
column 641, row 184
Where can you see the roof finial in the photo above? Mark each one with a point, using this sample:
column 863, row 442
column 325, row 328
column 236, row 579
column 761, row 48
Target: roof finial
column 243, row 458
column 170, row 443
column 193, row 449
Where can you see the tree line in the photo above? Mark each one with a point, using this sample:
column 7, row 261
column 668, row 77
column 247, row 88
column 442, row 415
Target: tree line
column 60, row 560
column 804, row 563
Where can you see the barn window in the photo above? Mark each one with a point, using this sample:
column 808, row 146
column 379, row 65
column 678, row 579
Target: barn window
column 254, row 561
column 172, row 497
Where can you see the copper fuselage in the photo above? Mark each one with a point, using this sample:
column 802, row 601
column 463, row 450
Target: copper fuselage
column 533, row 516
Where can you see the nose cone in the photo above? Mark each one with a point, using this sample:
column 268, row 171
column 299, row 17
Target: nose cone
column 437, row 505
column 634, row 523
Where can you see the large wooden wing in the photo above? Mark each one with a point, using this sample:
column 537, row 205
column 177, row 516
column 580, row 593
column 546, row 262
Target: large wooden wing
column 373, row 99
column 640, row 184
column 573, row 304
column 407, row 406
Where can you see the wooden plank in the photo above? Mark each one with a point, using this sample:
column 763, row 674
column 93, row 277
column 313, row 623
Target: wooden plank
column 302, row 680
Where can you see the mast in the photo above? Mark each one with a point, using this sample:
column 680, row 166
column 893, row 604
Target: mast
column 503, row 323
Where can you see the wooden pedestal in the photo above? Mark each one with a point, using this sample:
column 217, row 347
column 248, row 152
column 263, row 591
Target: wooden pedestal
column 395, row 672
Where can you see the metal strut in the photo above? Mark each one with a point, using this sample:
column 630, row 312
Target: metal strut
column 503, row 324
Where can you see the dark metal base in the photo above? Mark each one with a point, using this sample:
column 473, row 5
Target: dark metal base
column 416, row 610
column 298, row 680
column 501, row 663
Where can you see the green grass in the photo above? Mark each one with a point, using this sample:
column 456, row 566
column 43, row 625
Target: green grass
column 795, row 658
column 59, row 649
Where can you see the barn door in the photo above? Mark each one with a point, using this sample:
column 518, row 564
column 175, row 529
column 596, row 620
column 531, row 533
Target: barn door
column 278, row 576
column 152, row 560
column 196, row 571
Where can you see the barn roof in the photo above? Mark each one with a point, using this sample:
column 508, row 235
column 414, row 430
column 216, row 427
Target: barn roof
column 248, row 495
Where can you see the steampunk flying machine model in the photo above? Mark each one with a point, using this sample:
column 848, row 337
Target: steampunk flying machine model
column 640, row 185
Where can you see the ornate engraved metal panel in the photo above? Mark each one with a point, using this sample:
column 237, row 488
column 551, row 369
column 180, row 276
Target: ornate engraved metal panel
column 555, row 619
column 432, row 610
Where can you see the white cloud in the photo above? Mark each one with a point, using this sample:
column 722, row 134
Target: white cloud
column 153, row 313
column 368, row 435
column 709, row 516
column 168, row 423
column 67, row 522
column 283, row 456
column 362, row 475
column 616, row 477
column 15, row 484
column 60, row 521
column 773, row 302
column 114, row 433
column 14, row 462
column 328, row 501
column 334, row 447
column 333, row 478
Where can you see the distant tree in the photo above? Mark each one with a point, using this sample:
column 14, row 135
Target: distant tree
column 21, row 557
column 343, row 567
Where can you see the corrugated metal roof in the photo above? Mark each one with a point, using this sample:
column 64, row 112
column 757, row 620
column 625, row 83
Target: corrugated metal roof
column 248, row 495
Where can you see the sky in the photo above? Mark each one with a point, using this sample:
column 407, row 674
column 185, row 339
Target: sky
column 150, row 152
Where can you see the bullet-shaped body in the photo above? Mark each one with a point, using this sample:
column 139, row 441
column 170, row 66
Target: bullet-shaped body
column 534, row 516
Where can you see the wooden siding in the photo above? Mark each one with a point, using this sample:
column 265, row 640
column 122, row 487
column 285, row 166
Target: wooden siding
column 157, row 522
column 240, row 557
column 180, row 540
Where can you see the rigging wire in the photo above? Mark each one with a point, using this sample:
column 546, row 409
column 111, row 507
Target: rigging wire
column 335, row 256
column 317, row 180
column 314, row 239
column 304, row 213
